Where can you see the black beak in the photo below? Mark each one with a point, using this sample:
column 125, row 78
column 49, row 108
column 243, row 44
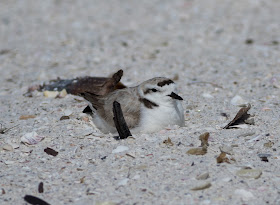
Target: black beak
column 175, row 96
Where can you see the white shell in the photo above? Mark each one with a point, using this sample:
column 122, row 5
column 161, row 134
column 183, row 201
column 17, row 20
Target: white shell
column 31, row 138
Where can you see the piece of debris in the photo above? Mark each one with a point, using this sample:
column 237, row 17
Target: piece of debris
column 224, row 115
column 204, row 144
column 168, row 142
column 248, row 172
column 26, row 117
column 82, row 180
column 64, row 118
column 204, row 139
column 249, row 41
column 51, row 151
column 197, row 151
column 96, row 85
column 41, row 187
column 34, row 200
column 130, row 155
column 268, row 144
column 201, row 186
column 4, row 51
column 264, row 157
column 62, row 94
column 120, row 122
column 240, row 117
column 246, row 134
column 7, row 147
column 59, row 88
column 31, row 138
column 222, row 158
column 51, row 94
column 3, row 129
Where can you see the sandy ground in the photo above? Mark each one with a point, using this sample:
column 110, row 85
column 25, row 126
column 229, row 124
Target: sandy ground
column 218, row 49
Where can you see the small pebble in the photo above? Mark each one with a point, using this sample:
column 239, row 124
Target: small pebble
column 244, row 194
column 7, row 147
column 9, row 162
column 226, row 149
column 123, row 182
column 68, row 112
column 62, row 93
column 203, row 176
column 51, row 94
column 201, row 186
column 207, row 95
column 249, row 173
column 120, row 148
column 237, row 100
column 250, row 121
column 268, row 144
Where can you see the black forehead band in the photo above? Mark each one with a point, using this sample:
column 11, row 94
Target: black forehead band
column 165, row 82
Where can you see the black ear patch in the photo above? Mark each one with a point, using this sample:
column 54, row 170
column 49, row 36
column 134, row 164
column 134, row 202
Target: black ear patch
column 150, row 90
column 147, row 103
column 165, row 82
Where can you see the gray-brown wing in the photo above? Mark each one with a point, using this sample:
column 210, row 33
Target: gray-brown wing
column 130, row 104
column 129, row 100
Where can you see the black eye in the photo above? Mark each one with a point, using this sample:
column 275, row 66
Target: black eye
column 154, row 90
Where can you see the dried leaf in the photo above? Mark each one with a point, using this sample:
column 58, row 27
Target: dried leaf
column 222, row 158
column 268, row 144
column 204, row 139
column 51, row 151
column 197, row 151
column 168, row 142
column 26, row 117
column 65, row 118
column 82, row 180
column 240, row 117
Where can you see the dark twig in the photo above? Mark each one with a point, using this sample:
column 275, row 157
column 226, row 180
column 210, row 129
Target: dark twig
column 120, row 122
column 3, row 130
column 34, row 200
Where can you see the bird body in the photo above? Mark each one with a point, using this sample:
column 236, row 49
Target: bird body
column 148, row 107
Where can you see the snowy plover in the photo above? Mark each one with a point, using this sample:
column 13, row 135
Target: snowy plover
column 148, row 107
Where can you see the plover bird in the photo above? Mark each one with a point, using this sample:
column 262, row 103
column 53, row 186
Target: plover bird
column 148, row 107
